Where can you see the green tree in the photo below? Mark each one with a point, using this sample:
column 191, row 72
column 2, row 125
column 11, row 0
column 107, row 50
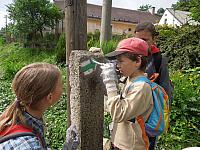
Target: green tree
column 183, row 5
column 195, row 10
column 160, row 11
column 145, row 7
column 32, row 16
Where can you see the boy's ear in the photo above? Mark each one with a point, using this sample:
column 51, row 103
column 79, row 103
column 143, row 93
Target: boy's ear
column 138, row 61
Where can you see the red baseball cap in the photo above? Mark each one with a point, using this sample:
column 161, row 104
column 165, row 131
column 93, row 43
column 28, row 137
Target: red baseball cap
column 133, row 45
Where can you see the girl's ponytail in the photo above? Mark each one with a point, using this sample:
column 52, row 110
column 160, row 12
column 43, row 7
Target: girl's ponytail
column 11, row 114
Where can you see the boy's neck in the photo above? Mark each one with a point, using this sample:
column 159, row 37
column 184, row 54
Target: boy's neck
column 136, row 74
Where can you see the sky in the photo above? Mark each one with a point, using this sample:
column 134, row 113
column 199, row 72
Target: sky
column 127, row 4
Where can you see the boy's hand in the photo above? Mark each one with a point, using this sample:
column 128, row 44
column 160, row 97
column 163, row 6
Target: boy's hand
column 95, row 50
column 109, row 76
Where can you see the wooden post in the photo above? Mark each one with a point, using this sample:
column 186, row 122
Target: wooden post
column 106, row 21
column 75, row 33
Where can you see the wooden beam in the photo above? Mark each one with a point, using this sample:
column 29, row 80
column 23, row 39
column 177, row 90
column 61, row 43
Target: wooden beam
column 106, row 22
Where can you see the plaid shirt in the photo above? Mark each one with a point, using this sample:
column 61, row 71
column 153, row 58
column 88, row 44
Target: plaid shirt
column 27, row 142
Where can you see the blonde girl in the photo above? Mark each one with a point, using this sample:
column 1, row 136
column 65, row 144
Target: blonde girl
column 37, row 87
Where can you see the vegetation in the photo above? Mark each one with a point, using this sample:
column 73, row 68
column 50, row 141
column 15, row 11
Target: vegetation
column 184, row 130
column 195, row 10
column 32, row 16
column 160, row 11
column 145, row 7
column 183, row 5
column 13, row 57
column 180, row 45
column 192, row 6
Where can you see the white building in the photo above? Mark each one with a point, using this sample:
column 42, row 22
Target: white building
column 175, row 18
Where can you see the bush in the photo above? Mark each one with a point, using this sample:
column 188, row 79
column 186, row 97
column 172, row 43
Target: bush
column 181, row 46
column 185, row 112
column 48, row 41
column 2, row 41
column 13, row 57
column 93, row 39
column 60, row 49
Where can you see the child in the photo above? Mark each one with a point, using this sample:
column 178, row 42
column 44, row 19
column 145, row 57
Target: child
column 37, row 87
column 157, row 63
column 157, row 67
column 135, row 101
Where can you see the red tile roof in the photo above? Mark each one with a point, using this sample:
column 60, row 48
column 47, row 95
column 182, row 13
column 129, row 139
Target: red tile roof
column 117, row 14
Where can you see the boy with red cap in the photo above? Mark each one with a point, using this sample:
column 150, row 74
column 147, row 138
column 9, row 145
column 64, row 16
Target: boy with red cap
column 157, row 68
column 135, row 100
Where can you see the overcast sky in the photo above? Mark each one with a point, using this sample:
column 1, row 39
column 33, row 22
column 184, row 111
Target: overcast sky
column 128, row 4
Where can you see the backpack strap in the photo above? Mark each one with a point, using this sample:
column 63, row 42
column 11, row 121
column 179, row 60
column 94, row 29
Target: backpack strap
column 142, row 78
column 141, row 123
column 18, row 130
column 15, row 135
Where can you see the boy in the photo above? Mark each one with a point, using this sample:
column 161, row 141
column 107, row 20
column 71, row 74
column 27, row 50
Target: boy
column 135, row 100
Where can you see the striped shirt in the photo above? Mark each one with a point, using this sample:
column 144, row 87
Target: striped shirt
column 27, row 142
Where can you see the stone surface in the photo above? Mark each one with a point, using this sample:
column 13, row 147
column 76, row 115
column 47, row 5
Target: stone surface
column 86, row 100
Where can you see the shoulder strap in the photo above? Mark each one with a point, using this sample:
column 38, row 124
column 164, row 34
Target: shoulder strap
column 142, row 78
column 17, row 130
column 15, row 135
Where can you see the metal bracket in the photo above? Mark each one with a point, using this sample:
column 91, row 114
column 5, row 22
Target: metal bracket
column 68, row 3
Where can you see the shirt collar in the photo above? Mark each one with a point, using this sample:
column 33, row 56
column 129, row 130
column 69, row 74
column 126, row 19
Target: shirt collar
column 36, row 124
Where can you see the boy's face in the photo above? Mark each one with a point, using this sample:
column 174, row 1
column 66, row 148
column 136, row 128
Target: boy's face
column 146, row 36
column 126, row 66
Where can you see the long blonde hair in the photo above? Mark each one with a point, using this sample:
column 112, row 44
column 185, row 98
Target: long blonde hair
column 30, row 85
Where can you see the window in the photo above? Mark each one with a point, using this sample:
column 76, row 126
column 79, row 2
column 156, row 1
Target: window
column 165, row 22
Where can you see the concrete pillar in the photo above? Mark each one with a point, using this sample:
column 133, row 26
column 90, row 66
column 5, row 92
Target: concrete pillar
column 86, row 99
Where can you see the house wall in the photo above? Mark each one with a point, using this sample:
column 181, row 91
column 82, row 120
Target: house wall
column 123, row 27
column 117, row 27
column 94, row 24
column 169, row 19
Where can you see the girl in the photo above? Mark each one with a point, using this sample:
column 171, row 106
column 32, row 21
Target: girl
column 37, row 87
column 129, row 110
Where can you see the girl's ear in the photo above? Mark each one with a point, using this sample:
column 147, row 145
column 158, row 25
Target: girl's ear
column 49, row 98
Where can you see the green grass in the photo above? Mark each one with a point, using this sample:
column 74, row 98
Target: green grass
column 13, row 57
column 185, row 120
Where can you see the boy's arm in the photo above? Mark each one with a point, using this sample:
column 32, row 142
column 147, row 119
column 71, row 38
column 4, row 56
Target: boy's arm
column 136, row 102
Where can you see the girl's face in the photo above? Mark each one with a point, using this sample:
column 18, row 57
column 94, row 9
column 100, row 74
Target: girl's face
column 126, row 66
column 56, row 94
